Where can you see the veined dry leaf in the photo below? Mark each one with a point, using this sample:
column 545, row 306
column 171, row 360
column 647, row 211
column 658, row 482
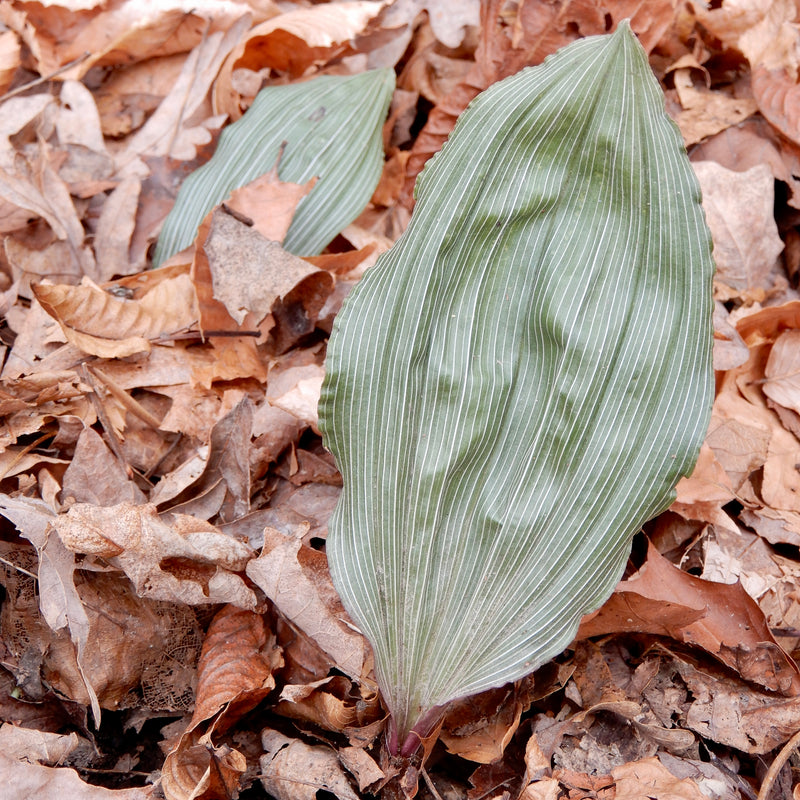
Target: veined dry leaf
column 490, row 393
column 293, row 770
column 187, row 561
column 292, row 42
column 35, row 782
column 295, row 578
column 250, row 273
column 719, row 617
column 739, row 210
column 111, row 326
column 234, row 674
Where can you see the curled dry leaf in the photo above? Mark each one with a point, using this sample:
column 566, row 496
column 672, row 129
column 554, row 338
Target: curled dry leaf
column 187, row 561
column 291, row 43
column 234, row 674
column 102, row 324
column 35, row 782
column 721, row 618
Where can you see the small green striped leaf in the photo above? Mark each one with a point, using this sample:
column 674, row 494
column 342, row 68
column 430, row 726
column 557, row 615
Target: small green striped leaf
column 332, row 129
column 521, row 381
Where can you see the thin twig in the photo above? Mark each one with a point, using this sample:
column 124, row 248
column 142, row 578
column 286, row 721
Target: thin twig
column 44, row 78
column 429, row 783
column 777, row 766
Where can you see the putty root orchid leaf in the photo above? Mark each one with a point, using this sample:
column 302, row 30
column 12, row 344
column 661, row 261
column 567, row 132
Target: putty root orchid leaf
column 521, row 381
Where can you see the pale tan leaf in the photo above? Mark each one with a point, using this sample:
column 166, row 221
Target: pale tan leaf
column 168, row 132
column 77, row 121
column 648, row 778
column 295, row 578
column 269, row 202
column 361, row 766
column 301, row 399
column 250, row 272
column 96, row 476
column 35, row 782
column 10, row 51
column 783, row 371
column 293, row 770
column 42, row 747
column 114, row 230
column 188, row 561
column 739, row 209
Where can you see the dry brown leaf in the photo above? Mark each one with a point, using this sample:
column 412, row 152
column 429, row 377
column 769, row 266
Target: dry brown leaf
column 223, row 486
column 361, row 766
column 719, row 617
column 269, row 203
column 332, row 703
column 296, row 578
column 725, row 710
column 121, row 34
column 234, row 674
column 250, row 272
column 187, row 561
column 782, row 371
column 114, row 230
column 10, row 51
column 739, row 209
column 293, row 770
column 108, row 326
column 234, row 356
column 96, row 476
column 59, row 601
column 480, row 728
column 649, row 778
column 705, row 112
column 291, row 43
column 35, row 782
column 42, row 747
column 171, row 131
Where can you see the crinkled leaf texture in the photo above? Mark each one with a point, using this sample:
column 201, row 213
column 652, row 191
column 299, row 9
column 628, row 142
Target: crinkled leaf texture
column 332, row 129
column 521, row 381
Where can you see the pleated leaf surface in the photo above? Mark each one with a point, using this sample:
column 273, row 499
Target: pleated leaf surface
column 521, row 381
column 332, row 129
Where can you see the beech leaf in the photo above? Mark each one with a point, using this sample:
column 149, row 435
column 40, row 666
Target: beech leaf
column 518, row 385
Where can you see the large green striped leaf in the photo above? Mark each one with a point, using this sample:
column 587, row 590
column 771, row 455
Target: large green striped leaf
column 332, row 130
column 521, row 381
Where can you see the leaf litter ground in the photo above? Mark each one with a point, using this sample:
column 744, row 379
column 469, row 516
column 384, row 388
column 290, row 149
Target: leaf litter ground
column 165, row 495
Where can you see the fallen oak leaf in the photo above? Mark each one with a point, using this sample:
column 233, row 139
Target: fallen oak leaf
column 721, row 618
